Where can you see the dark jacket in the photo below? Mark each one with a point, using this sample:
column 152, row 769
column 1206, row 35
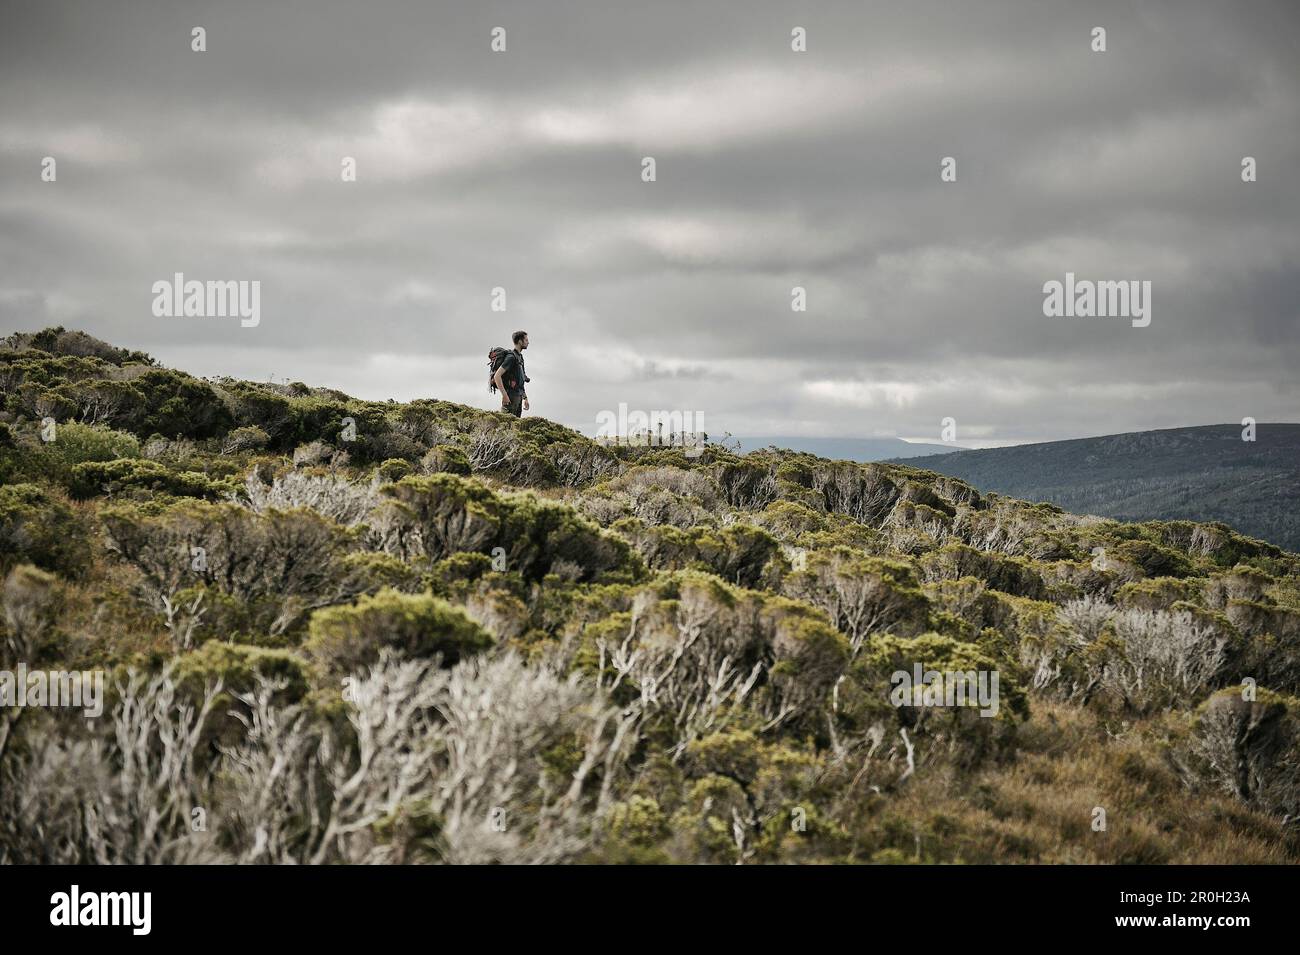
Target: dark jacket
column 513, row 375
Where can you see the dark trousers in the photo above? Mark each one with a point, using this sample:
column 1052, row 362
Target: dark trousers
column 516, row 405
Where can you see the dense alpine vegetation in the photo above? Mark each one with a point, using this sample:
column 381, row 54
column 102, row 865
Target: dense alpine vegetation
column 1202, row 474
column 350, row 631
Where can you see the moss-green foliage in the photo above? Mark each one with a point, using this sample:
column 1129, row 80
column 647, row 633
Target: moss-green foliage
column 347, row 638
column 769, row 787
column 1153, row 559
column 238, row 667
column 932, row 651
column 1012, row 575
column 739, row 617
column 256, row 575
column 639, row 822
column 37, row 526
column 60, row 341
column 540, row 537
column 394, row 469
column 34, row 601
column 248, row 439
column 443, row 513
column 459, row 568
column 861, row 594
column 741, row 554
column 788, row 650
column 446, row 457
column 1220, row 544
column 1159, row 593
column 745, row 483
column 176, row 404
column 372, row 571
column 264, row 408
column 77, row 443
column 788, row 520
column 317, row 418
column 125, row 474
column 32, row 456
column 970, row 732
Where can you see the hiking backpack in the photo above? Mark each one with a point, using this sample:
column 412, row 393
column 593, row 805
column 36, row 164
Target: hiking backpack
column 495, row 357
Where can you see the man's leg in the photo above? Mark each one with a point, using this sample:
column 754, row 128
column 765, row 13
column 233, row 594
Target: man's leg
column 517, row 406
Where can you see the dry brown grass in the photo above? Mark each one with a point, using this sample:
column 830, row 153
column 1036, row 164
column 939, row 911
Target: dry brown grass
column 1038, row 807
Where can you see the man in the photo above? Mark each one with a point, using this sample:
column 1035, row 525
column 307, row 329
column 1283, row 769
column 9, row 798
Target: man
column 510, row 378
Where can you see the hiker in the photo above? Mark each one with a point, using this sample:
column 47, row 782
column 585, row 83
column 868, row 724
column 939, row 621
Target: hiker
column 508, row 375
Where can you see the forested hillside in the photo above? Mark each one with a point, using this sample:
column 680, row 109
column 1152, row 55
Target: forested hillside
column 348, row 631
column 1201, row 474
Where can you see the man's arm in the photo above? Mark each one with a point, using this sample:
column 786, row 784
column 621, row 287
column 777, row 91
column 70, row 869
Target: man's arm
column 501, row 387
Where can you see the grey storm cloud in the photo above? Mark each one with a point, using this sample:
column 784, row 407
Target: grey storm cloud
column 775, row 169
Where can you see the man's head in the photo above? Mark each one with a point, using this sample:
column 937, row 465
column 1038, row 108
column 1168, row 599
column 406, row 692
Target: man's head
column 520, row 340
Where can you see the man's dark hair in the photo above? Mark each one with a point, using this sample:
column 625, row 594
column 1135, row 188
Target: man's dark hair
column 517, row 336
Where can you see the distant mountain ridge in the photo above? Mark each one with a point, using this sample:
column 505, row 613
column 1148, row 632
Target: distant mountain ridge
column 1205, row 473
column 847, row 449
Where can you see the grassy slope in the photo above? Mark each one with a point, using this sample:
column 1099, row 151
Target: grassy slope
column 985, row 572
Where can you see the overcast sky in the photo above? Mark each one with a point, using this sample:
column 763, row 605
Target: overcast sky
column 775, row 169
